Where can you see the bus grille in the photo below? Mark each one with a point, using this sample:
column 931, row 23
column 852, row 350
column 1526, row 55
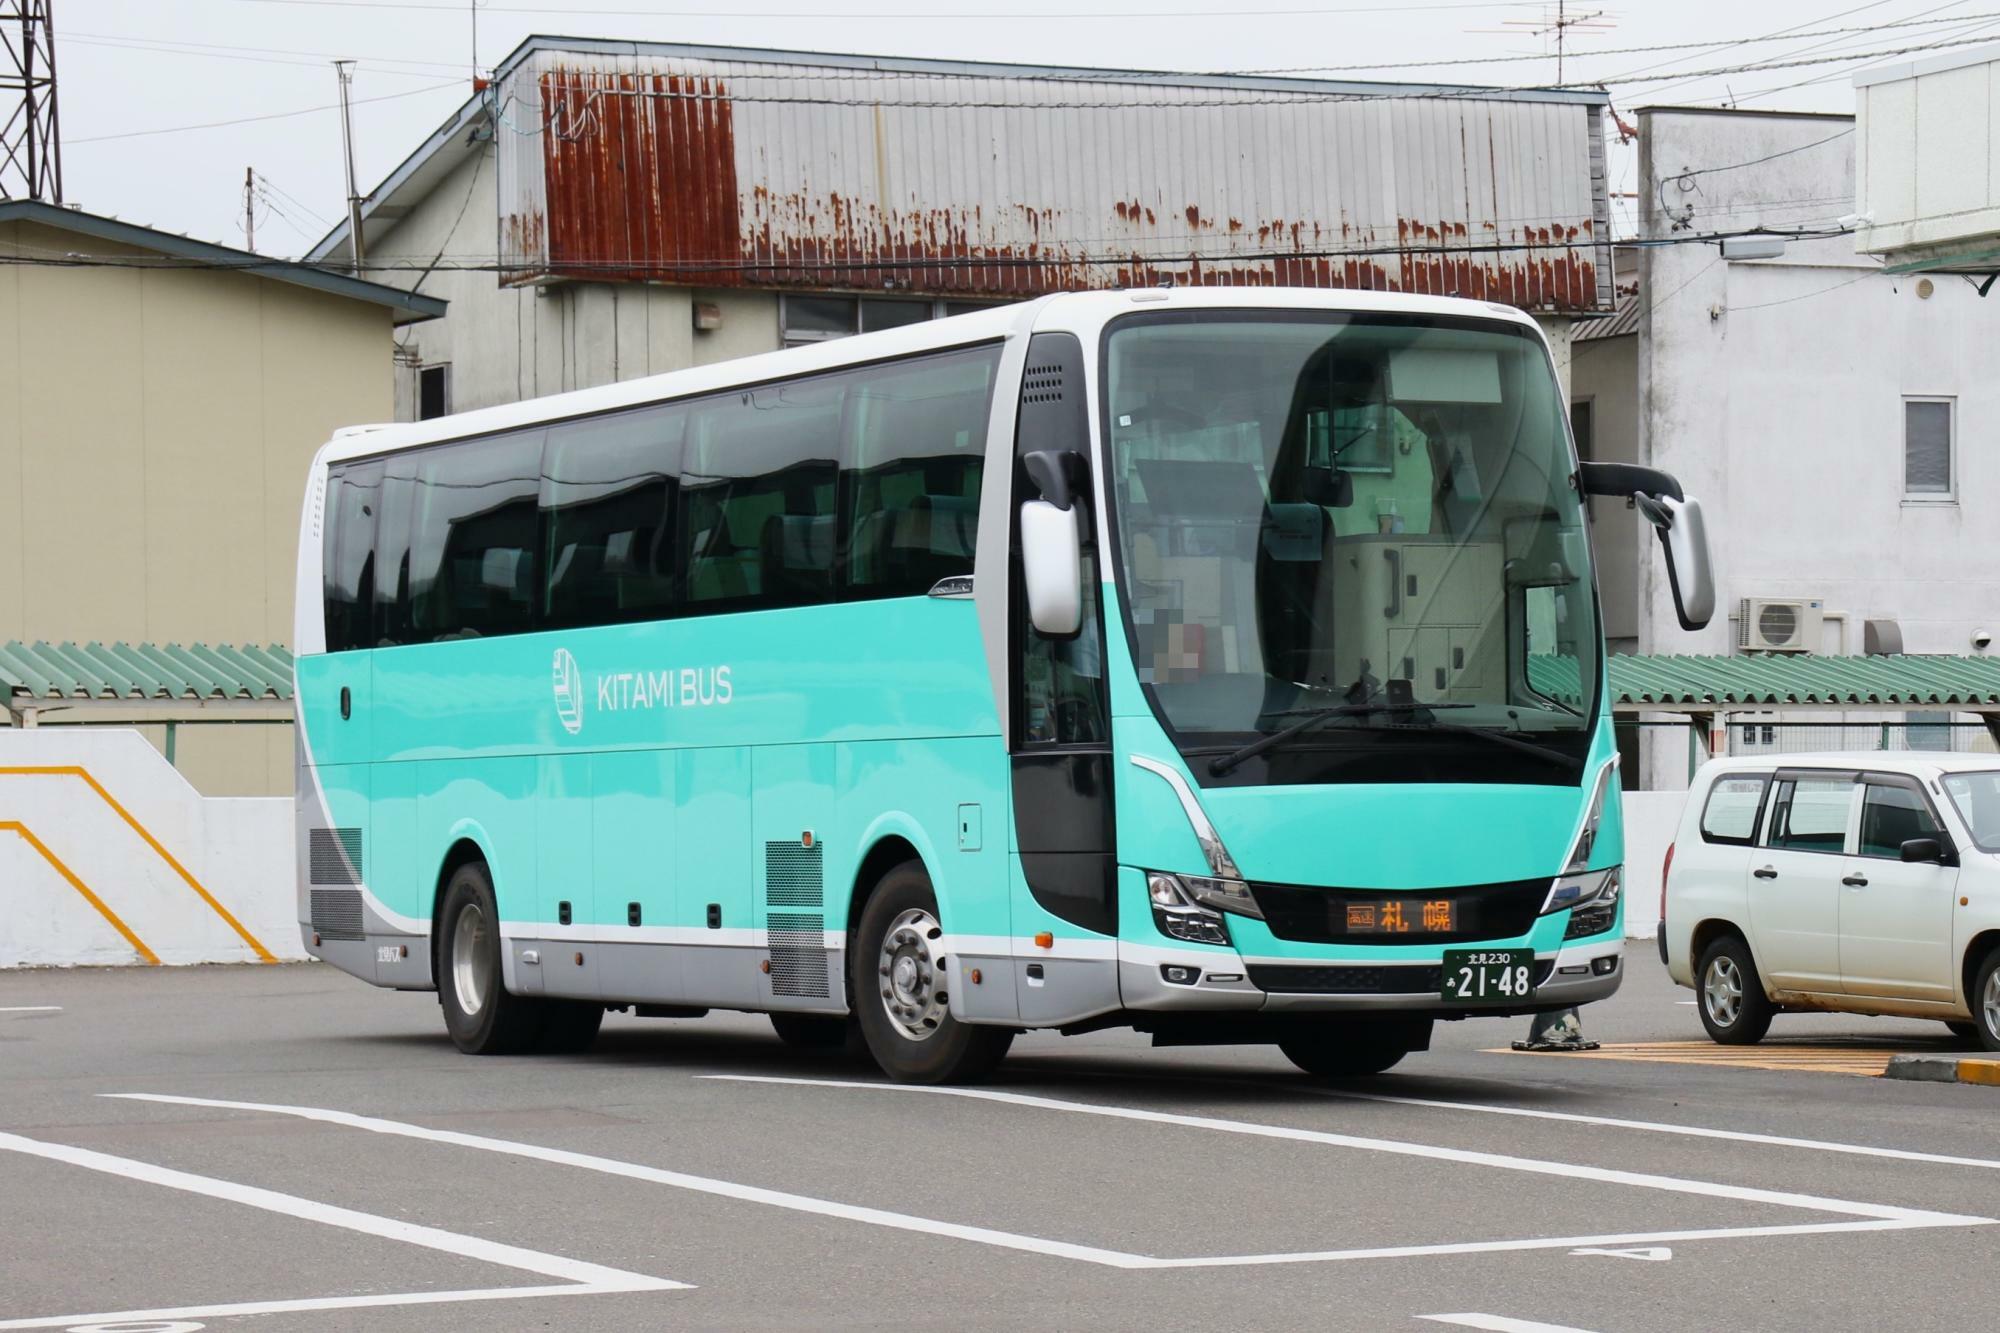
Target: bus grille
column 798, row 954
column 336, row 914
column 793, row 875
column 334, row 855
column 1363, row 979
column 1310, row 914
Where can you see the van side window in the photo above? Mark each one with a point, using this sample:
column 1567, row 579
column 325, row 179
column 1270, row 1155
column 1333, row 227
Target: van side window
column 1730, row 816
column 1891, row 815
column 1810, row 814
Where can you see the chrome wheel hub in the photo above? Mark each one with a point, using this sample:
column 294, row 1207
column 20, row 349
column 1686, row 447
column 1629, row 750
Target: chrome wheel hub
column 911, row 973
column 471, row 973
column 1722, row 992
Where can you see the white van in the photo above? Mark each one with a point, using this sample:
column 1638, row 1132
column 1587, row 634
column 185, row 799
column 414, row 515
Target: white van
column 1859, row 883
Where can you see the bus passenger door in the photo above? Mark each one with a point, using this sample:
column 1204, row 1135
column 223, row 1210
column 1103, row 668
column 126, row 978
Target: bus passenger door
column 565, row 891
column 712, row 876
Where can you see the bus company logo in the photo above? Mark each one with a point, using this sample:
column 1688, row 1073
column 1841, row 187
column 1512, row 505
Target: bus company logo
column 569, row 692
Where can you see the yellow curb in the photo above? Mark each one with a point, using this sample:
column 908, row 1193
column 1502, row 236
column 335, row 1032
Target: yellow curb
column 1980, row 1071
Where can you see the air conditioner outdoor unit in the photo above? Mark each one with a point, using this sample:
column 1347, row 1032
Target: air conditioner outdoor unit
column 1779, row 625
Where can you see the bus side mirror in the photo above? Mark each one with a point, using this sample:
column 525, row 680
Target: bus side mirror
column 1052, row 568
column 1677, row 518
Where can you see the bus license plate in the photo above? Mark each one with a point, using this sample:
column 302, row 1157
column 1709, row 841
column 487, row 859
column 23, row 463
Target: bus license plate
column 1489, row 976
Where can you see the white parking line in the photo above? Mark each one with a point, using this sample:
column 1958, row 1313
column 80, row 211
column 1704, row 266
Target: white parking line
column 30, row 1009
column 1499, row 1323
column 578, row 1277
column 679, row 1180
column 1657, row 1127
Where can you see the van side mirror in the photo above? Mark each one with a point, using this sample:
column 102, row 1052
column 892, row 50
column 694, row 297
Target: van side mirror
column 1924, row 849
column 1678, row 520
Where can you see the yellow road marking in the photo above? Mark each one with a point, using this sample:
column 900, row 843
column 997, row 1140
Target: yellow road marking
column 1863, row 1062
column 1979, row 1071
column 15, row 826
column 71, row 771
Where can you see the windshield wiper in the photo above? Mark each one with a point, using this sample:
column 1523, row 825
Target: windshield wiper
column 1315, row 717
column 1506, row 738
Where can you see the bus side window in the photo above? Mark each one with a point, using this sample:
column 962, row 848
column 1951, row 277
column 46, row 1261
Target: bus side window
column 757, row 495
column 609, row 488
column 472, row 538
column 915, row 443
column 353, row 500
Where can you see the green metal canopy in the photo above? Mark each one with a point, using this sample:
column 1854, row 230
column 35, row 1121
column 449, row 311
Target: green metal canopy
column 1771, row 680
column 170, row 678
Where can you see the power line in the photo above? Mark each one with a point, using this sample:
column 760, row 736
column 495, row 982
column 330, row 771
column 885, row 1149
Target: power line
column 1016, row 16
column 149, row 48
column 274, row 115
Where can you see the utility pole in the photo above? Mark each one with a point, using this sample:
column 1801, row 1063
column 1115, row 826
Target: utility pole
column 475, row 42
column 345, row 70
column 250, row 209
column 30, row 144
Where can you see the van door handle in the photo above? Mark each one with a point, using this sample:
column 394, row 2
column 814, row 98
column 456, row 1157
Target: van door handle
column 1765, row 872
column 1855, row 881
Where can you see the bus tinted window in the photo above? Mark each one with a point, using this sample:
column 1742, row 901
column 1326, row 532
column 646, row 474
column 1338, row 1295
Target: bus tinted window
column 758, row 495
column 916, row 440
column 353, row 499
column 472, row 538
column 609, row 489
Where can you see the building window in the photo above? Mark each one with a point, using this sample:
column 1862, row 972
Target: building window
column 433, row 392
column 1929, row 442
column 813, row 319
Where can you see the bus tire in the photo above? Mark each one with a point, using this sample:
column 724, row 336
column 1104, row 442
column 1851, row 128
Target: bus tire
column 813, row 1032
column 569, row 1027
column 897, row 977
column 1729, row 995
column 1334, row 1051
column 479, row 1013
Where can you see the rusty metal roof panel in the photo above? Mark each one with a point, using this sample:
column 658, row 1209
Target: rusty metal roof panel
column 671, row 166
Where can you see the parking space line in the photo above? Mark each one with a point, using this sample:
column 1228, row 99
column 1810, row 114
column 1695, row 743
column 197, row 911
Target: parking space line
column 30, row 1008
column 677, row 1179
column 1656, row 1127
column 577, row 1276
column 1468, row 1157
column 1499, row 1323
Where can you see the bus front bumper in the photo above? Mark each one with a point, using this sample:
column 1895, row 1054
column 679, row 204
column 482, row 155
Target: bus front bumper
column 1211, row 981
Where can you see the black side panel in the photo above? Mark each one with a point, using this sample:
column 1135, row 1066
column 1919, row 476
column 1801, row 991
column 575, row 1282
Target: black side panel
column 1053, row 412
column 1063, row 827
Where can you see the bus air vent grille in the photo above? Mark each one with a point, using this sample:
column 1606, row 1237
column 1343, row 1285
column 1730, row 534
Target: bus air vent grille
column 334, row 855
column 794, row 874
column 1042, row 384
column 336, row 914
column 798, row 954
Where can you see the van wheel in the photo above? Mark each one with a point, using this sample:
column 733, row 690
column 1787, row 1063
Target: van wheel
column 1731, row 1000
column 898, row 976
column 1985, row 999
column 479, row 1013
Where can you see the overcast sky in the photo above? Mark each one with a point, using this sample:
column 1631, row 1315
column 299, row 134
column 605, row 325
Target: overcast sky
column 132, row 67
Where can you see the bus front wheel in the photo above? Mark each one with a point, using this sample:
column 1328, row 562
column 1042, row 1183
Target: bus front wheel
column 1338, row 1051
column 482, row 1017
column 898, row 978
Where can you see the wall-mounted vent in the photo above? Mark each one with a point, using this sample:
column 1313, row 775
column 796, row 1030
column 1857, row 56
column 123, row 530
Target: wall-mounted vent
column 1779, row 625
column 334, row 855
column 336, row 914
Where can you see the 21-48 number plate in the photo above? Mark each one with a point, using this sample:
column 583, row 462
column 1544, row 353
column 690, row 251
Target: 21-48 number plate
column 1489, row 976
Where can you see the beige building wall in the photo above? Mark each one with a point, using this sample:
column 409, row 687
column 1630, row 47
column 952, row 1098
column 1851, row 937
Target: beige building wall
column 155, row 430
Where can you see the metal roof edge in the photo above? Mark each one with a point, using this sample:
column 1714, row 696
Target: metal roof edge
column 1937, row 64
column 102, row 228
column 471, row 111
column 540, row 42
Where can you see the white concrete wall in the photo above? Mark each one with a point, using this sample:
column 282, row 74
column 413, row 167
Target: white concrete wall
column 1928, row 138
column 1774, row 390
column 236, row 849
column 1650, row 820
column 507, row 344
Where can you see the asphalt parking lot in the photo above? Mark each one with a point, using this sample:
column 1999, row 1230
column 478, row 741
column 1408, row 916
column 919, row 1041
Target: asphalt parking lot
column 284, row 1148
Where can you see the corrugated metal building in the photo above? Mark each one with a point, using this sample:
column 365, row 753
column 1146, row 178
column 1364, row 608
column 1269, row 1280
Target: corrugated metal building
column 680, row 203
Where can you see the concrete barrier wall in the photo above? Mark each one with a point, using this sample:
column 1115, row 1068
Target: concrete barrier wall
column 107, row 855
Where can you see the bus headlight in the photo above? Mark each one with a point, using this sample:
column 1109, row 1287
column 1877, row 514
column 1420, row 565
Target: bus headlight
column 1592, row 888
column 1179, row 915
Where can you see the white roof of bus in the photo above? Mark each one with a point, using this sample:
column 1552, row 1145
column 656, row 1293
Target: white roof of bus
column 1075, row 310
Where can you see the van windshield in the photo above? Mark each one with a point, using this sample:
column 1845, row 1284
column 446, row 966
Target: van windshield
column 1977, row 797
column 1365, row 516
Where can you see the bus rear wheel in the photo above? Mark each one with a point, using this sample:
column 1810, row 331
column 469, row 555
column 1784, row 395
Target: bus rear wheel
column 1340, row 1051
column 898, row 978
column 479, row 1013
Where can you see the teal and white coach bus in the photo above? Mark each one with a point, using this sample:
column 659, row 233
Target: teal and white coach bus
column 1221, row 664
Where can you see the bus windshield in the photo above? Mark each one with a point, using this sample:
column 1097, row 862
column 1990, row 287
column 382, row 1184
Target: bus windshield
column 1363, row 516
